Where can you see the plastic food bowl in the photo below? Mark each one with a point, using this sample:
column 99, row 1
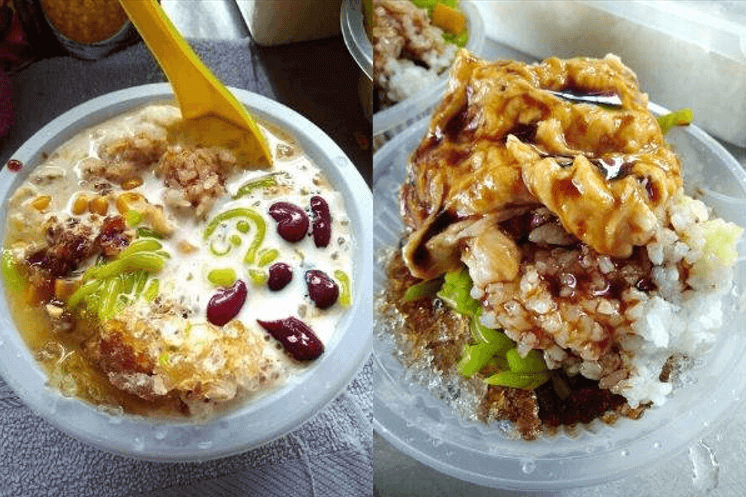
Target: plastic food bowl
column 399, row 116
column 256, row 422
column 417, row 423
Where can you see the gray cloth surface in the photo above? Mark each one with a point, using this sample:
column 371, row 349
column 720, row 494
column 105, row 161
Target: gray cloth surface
column 330, row 455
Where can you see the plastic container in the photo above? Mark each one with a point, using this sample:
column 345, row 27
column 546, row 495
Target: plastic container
column 278, row 22
column 352, row 22
column 257, row 421
column 688, row 54
column 392, row 120
column 414, row 419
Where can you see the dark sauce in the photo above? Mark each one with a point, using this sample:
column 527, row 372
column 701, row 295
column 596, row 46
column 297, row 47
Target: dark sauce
column 524, row 132
column 442, row 221
column 584, row 402
column 574, row 93
column 14, row 165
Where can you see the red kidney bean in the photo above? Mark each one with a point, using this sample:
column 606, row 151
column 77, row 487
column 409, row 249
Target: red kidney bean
column 298, row 339
column 292, row 221
column 321, row 288
column 14, row 165
column 280, row 275
column 322, row 221
column 226, row 303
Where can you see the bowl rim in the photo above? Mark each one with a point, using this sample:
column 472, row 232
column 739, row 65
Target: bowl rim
column 257, row 421
column 518, row 469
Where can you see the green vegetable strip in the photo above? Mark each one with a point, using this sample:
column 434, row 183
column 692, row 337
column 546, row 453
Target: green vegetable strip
column 523, row 381
column 267, row 256
column 140, row 280
column 681, row 117
column 252, row 215
column 263, row 182
column 152, row 291
column 456, row 292
column 532, row 363
column 133, row 218
column 218, row 251
column 460, row 40
column 423, row 289
column 14, row 280
column 345, row 295
column 84, row 292
column 499, row 341
column 474, row 358
column 141, row 246
column 109, row 299
column 492, row 346
column 147, row 232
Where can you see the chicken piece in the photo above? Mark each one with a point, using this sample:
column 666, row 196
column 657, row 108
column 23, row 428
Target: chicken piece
column 509, row 135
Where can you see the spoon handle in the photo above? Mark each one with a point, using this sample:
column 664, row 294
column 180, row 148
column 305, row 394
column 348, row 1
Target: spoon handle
column 197, row 90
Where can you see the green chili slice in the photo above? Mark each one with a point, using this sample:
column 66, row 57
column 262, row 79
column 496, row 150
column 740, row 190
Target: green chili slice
column 525, row 381
column 427, row 288
column 681, row 117
column 152, row 291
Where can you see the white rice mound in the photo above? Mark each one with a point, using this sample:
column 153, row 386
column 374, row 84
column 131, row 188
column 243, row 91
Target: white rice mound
column 405, row 79
column 624, row 340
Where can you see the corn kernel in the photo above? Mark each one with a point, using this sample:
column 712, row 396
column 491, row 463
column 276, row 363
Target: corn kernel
column 41, row 202
column 131, row 183
column 80, row 204
column 99, row 205
column 126, row 200
column 63, row 289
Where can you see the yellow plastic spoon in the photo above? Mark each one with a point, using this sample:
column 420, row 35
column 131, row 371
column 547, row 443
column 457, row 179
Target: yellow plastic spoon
column 212, row 114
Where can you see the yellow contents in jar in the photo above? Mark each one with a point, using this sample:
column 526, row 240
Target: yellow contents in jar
column 85, row 21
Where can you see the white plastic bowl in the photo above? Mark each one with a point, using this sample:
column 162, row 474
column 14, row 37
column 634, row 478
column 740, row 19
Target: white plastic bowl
column 257, row 422
column 394, row 119
column 427, row 429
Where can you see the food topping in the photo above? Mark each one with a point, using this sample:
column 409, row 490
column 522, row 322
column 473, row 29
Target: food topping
column 280, row 275
column 226, row 303
column 322, row 221
column 321, row 288
column 298, row 339
column 292, row 221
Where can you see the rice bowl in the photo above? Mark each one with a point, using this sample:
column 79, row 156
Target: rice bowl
column 432, row 431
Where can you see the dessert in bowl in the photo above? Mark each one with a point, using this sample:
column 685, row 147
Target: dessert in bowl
column 163, row 287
